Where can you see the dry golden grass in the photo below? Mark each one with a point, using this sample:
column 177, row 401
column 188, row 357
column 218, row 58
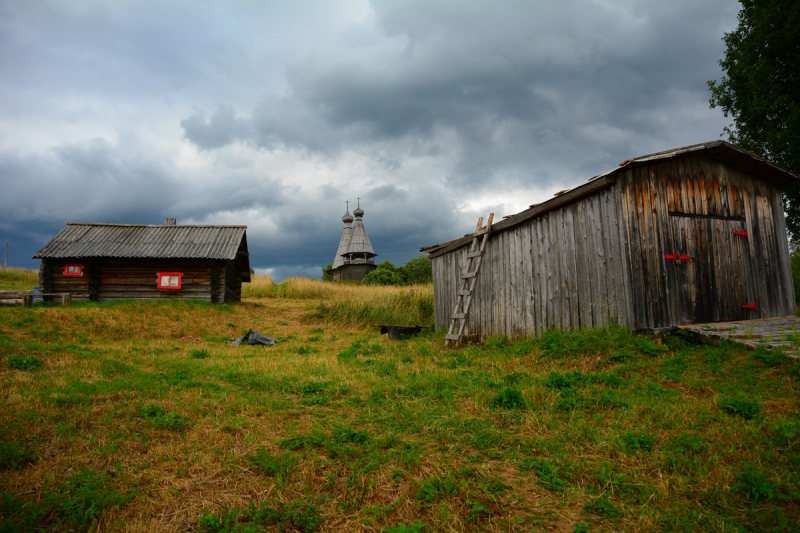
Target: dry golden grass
column 363, row 305
column 18, row 278
column 259, row 287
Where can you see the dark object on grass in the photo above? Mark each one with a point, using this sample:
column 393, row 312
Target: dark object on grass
column 253, row 337
column 397, row 333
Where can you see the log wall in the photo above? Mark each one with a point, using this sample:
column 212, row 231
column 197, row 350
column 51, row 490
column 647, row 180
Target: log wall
column 136, row 279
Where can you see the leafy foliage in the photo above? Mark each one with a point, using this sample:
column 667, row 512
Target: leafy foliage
column 761, row 89
column 417, row 270
column 24, row 362
column 79, row 501
column 602, row 507
column 297, row 514
column 756, row 485
column 508, row 398
column 157, row 417
column 747, row 409
column 634, row 442
column 272, row 465
column 13, row 456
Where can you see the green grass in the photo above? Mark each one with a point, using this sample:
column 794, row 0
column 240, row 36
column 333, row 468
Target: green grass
column 137, row 416
column 18, row 279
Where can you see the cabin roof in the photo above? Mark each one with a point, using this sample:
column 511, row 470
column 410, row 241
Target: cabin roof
column 719, row 150
column 80, row 239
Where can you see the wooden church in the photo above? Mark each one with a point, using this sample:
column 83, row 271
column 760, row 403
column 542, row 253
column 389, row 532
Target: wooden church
column 355, row 256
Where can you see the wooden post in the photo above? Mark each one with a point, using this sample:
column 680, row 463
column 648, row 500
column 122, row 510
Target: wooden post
column 66, row 299
column 27, row 300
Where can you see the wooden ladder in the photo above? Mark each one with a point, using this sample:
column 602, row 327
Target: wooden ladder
column 469, row 279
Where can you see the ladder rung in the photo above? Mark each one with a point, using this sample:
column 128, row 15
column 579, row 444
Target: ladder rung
column 464, row 293
column 469, row 275
column 474, row 254
column 481, row 232
column 458, row 316
column 453, row 337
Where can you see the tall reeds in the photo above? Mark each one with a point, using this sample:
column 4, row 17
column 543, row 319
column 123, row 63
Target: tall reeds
column 356, row 304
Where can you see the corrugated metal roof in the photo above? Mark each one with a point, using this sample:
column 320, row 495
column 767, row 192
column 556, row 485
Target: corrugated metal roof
column 80, row 239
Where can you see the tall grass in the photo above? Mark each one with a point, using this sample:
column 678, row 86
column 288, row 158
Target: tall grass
column 259, row 287
column 18, row 278
column 363, row 305
column 795, row 261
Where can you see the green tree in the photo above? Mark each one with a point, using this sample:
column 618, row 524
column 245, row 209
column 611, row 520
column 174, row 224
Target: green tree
column 418, row 270
column 761, row 88
column 325, row 275
column 385, row 273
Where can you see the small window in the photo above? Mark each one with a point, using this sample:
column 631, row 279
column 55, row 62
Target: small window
column 169, row 280
column 73, row 270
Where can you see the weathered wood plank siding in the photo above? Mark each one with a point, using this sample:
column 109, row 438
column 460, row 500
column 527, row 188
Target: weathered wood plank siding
column 539, row 275
column 606, row 256
column 691, row 206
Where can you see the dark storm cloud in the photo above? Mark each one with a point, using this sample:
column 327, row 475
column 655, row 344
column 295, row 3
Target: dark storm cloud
column 273, row 114
column 531, row 90
column 221, row 129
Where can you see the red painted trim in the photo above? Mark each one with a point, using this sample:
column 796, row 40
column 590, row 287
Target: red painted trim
column 742, row 233
column 168, row 275
column 78, row 273
column 751, row 306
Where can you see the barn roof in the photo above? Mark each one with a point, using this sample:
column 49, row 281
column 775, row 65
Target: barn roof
column 81, row 239
column 719, row 150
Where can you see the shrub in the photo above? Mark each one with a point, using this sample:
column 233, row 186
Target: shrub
column 158, row 418
column 770, row 358
column 548, row 473
column 756, row 485
column 13, row 456
column 508, row 398
column 634, row 442
column 272, row 465
column 747, row 409
column 297, row 514
column 84, row 496
column 786, row 432
column 435, row 489
column 25, row 363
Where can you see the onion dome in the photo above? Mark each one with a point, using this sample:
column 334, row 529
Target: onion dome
column 348, row 218
column 358, row 212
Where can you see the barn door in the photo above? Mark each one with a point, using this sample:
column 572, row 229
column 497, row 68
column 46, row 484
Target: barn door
column 709, row 269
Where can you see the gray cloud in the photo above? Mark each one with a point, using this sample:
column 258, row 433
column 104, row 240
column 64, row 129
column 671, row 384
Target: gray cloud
column 272, row 114
column 221, row 129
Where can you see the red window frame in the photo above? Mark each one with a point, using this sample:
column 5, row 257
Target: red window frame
column 73, row 265
column 169, row 275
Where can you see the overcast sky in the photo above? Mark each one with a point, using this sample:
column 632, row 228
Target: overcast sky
column 273, row 113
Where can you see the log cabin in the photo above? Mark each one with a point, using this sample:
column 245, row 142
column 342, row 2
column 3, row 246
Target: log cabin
column 107, row 262
column 690, row 235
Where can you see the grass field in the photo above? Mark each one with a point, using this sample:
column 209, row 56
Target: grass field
column 17, row 279
column 137, row 417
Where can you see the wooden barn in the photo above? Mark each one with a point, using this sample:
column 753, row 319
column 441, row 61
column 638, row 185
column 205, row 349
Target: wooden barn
column 690, row 235
column 105, row 262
